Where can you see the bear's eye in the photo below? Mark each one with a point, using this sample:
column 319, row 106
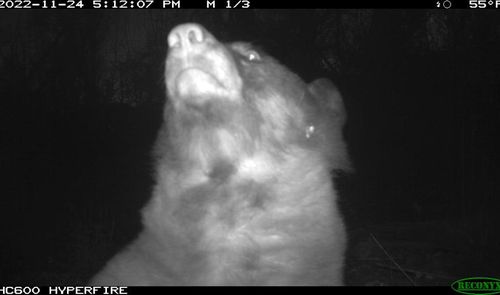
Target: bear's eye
column 253, row 56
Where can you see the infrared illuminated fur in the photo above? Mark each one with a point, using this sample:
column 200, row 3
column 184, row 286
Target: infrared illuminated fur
column 244, row 192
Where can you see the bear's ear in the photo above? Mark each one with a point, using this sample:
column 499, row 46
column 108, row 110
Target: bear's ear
column 331, row 120
column 327, row 95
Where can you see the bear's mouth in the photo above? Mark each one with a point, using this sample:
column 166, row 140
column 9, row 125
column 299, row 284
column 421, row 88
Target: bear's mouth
column 199, row 83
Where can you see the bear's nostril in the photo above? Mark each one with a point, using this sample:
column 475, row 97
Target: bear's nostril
column 174, row 40
column 195, row 36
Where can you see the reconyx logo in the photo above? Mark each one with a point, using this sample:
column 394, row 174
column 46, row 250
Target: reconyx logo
column 477, row 285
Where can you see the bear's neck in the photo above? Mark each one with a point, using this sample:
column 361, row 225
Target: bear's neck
column 212, row 146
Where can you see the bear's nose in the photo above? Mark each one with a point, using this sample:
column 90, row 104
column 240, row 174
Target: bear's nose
column 187, row 35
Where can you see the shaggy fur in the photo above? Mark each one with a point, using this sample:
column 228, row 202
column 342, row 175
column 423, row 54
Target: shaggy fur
column 243, row 191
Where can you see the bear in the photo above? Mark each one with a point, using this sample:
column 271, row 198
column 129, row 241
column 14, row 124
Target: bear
column 244, row 159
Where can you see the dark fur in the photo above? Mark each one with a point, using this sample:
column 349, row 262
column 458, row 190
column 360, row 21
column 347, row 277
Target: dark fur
column 244, row 193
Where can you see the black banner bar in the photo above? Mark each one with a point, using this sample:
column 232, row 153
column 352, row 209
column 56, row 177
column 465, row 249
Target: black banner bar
column 247, row 4
column 96, row 290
